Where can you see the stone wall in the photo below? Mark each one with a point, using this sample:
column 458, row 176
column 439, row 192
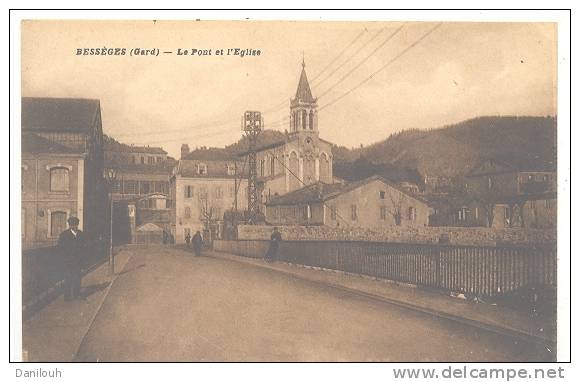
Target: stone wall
column 396, row 234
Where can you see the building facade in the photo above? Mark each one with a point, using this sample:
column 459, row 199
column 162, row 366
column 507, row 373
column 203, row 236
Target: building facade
column 202, row 189
column 302, row 158
column 370, row 203
column 62, row 169
column 504, row 195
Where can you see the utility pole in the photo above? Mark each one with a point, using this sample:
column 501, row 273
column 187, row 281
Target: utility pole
column 252, row 123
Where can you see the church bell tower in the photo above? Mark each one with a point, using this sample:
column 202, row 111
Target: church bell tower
column 303, row 109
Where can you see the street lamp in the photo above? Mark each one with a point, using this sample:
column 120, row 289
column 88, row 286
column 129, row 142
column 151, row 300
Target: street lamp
column 110, row 175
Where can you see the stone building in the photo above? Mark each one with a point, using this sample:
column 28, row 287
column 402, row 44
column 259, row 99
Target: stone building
column 62, row 168
column 141, row 170
column 501, row 195
column 515, row 194
column 302, row 158
column 370, row 203
column 149, row 155
column 203, row 187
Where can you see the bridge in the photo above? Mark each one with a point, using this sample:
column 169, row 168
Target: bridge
column 164, row 304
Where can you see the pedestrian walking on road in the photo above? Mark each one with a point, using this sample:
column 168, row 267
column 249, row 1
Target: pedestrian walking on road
column 197, row 243
column 72, row 247
column 187, row 239
column 275, row 240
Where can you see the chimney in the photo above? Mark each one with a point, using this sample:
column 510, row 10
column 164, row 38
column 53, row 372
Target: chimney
column 184, row 150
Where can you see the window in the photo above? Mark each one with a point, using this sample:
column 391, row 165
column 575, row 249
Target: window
column 160, row 187
column 188, row 191
column 272, row 162
column 382, row 194
column 548, row 203
column 311, row 120
column 159, row 159
column 151, row 160
column 307, row 213
column 507, row 214
column 130, row 187
column 231, row 169
column 462, row 214
column 231, row 191
column 533, row 204
column 353, row 214
column 116, row 187
column 142, row 160
column 218, row 192
column 145, row 188
column 262, row 167
column 202, row 192
column 489, row 182
column 59, row 181
column 187, row 213
column 132, row 160
column 303, row 119
column 383, row 213
column 202, row 169
column 57, row 223
column 333, row 212
column 412, row 215
column 546, row 178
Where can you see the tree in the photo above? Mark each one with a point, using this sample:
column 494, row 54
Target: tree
column 397, row 207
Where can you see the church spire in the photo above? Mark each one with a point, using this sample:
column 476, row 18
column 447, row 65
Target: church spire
column 303, row 93
column 303, row 113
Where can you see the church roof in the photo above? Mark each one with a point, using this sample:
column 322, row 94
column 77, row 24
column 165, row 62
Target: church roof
column 303, row 93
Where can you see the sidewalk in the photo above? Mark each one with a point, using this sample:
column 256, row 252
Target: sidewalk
column 498, row 319
column 54, row 333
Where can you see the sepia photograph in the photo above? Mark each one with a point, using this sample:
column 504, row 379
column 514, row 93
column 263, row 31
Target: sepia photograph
column 288, row 191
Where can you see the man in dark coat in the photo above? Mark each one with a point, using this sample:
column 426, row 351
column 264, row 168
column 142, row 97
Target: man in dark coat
column 275, row 239
column 197, row 241
column 71, row 244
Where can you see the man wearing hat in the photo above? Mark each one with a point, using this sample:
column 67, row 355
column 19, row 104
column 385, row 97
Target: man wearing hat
column 71, row 244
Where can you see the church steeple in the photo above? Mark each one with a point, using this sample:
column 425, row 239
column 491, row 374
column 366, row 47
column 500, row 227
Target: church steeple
column 303, row 113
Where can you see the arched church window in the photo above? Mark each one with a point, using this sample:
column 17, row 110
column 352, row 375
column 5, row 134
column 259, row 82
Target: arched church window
column 303, row 119
column 311, row 120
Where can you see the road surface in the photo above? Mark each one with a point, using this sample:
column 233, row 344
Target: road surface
column 168, row 305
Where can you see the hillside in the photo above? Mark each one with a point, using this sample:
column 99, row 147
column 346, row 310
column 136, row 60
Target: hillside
column 453, row 150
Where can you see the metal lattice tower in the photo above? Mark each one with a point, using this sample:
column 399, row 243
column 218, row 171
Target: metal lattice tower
column 252, row 123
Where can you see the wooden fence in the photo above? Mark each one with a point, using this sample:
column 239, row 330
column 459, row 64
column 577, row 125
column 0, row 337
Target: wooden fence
column 476, row 270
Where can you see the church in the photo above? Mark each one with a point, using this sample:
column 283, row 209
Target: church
column 302, row 158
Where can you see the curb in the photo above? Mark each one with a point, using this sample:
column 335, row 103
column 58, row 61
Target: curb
column 47, row 296
column 497, row 329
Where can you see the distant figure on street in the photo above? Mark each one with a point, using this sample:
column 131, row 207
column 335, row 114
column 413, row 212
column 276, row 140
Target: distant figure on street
column 164, row 237
column 197, row 243
column 275, row 240
column 187, row 239
column 72, row 246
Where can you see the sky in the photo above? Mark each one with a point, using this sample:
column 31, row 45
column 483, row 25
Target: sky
column 372, row 79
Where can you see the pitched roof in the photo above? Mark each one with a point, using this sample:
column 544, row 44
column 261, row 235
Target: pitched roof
column 59, row 114
column 210, row 154
column 312, row 193
column 303, row 93
column 165, row 167
column 134, row 149
column 321, row 192
column 35, row 144
column 149, row 227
